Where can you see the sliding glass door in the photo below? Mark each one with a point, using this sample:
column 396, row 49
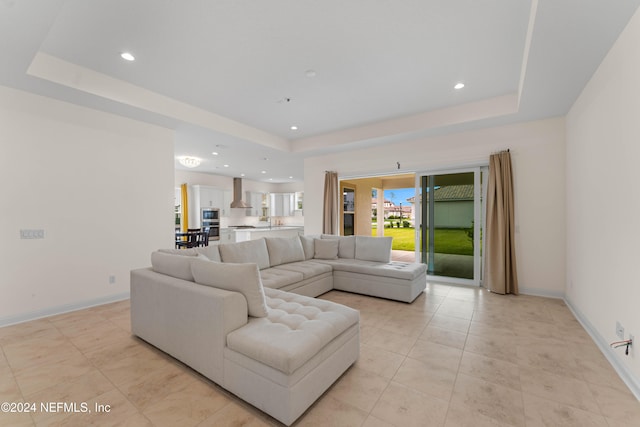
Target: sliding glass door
column 450, row 233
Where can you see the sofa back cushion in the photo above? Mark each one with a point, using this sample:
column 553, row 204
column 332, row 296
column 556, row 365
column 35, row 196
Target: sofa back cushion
column 326, row 248
column 347, row 247
column 308, row 246
column 183, row 252
column 212, row 252
column 369, row 248
column 283, row 250
column 243, row 278
column 173, row 264
column 251, row 251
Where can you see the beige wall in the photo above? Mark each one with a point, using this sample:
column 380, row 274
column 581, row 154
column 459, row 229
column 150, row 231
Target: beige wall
column 100, row 186
column 538, row 154
column 603, row 201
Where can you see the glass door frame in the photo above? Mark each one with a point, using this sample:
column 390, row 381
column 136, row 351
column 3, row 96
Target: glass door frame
column 479, row 192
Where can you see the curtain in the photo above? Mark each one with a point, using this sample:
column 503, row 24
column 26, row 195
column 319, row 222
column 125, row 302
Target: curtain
column 184, row 206
column 331, row 200
column 500, row 258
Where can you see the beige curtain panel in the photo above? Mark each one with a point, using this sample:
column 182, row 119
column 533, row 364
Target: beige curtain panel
column 331, row 200
column 500, row 257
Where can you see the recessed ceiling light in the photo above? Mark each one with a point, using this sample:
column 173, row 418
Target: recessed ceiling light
column 310, row 73
column 459, row 85
column 215, row 153
column 128, row 56
column 263, row 171
column 226, row 166
column 294, row 127
column 241, row 174
column 290, row 177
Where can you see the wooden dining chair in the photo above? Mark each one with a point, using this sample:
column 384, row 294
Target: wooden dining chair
column 188, row 239
column 204, row 239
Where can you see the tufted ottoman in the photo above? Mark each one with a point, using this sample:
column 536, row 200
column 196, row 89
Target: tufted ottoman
column 400, row 281
column 282, row 363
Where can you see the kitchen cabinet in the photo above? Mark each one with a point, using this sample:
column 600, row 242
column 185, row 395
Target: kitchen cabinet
column 299, row 201
column 257, row 202
column 202, row 196
column 282, row 204
column 258, row 233
column 225, row 209
column 227, row 236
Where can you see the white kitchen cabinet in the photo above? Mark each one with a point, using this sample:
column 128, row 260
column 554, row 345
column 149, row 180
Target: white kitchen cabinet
column 256, row 201
column 225, row 209
column 202, row 196
column 282, row 204
column 227, row 236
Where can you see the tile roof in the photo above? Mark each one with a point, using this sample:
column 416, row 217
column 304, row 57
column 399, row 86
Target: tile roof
column 452, row 193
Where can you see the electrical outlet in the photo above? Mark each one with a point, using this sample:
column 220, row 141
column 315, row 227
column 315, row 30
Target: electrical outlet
column 619, row 330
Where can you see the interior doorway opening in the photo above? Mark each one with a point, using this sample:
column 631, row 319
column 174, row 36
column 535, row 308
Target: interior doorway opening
column 381, row 206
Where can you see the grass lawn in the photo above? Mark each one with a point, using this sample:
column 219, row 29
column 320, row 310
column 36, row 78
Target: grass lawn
column 448, row 241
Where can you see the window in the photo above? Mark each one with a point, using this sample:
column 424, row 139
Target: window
column 348, row 211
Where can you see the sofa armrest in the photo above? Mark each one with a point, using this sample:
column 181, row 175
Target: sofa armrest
column 186, row 320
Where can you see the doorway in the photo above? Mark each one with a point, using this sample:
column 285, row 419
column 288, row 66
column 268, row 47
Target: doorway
column 449, row 236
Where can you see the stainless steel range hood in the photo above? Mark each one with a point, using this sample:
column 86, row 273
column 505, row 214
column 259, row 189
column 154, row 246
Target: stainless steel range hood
column 237, row 195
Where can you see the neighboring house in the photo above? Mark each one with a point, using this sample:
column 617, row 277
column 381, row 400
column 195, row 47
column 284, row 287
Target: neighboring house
column 391, row 209
column 453, row 206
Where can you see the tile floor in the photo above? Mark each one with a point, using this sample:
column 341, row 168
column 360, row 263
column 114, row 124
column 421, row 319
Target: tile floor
column 455, row 357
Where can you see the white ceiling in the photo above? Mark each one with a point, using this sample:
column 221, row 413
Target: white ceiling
column 231, row 76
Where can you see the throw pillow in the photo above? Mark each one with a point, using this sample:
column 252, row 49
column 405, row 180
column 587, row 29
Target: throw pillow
column 326, row 248
column 243, row 278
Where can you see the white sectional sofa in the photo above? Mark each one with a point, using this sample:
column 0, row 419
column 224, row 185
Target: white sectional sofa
column 243, row 314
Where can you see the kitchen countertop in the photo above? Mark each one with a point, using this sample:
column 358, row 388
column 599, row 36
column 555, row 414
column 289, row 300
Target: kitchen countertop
column 264, row 228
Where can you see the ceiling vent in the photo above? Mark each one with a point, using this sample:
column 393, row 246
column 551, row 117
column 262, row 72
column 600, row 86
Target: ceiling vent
column 237, row 195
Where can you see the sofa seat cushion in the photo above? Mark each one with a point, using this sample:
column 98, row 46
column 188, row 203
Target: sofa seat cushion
column 296, row 329
column 277, row 278
column 308, row 269
column 393, row 269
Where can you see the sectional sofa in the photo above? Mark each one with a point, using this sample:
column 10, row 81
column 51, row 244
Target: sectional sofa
column 243, row 314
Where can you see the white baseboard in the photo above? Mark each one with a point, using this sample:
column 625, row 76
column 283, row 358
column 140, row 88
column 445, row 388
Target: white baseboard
column 541, row 293
column 625, row 374
column 52, row 311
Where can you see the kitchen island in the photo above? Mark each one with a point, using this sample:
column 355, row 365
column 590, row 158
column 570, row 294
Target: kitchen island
column 241, row 234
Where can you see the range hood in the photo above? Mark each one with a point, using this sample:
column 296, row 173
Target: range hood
column 237, row 195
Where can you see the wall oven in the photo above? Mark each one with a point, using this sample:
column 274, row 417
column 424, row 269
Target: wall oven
column 210, row 218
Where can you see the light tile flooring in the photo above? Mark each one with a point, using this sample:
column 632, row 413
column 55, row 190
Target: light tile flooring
column 455, row 357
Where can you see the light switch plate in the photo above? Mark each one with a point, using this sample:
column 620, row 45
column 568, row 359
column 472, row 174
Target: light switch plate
column 32, row 234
